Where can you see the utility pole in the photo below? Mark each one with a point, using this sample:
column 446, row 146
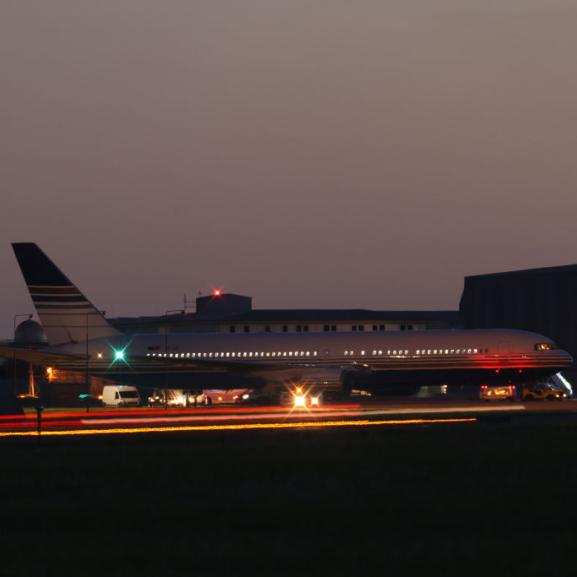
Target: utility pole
column 86, row 376
column 14, row 348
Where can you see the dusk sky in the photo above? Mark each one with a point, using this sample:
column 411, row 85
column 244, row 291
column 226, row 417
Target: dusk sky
column 308, row 153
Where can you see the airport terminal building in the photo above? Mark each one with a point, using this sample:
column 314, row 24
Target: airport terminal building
column 233, row 313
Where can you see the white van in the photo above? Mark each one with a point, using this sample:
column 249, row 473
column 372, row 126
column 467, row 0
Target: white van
column 120, row 396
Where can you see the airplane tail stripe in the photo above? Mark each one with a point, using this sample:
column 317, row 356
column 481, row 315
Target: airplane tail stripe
column 53, row 290
column 63, row 307
column 58, row 299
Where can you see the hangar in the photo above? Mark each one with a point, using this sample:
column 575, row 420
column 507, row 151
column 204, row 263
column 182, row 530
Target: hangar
column 543, row 300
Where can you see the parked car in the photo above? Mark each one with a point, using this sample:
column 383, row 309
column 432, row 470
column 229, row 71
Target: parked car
column 543, row 392
column 500, row 393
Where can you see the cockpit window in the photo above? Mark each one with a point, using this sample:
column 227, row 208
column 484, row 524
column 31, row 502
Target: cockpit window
column 544, row 346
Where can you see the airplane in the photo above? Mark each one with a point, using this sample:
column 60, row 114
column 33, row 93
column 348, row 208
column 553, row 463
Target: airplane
column 80, row 339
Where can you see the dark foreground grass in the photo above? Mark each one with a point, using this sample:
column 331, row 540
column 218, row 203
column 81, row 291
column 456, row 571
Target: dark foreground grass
column 438, row 500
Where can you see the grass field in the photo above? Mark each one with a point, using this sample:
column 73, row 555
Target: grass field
column 483, row 499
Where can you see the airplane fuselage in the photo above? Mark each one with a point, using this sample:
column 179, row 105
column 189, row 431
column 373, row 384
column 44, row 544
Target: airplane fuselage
column 370, row 360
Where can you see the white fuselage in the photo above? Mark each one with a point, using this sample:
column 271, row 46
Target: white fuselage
column 417, row 353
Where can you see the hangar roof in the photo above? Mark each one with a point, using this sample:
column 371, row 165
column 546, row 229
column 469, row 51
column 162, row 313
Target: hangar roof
column 299, row 315
column 569, row 268
column 320, row 315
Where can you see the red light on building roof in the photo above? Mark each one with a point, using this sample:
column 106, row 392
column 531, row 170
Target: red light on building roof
column 216, row 293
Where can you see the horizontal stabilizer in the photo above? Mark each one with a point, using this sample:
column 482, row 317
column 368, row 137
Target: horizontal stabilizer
column 36, row 357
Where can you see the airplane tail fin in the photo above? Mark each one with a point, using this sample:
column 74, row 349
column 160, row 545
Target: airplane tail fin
column 65, row 313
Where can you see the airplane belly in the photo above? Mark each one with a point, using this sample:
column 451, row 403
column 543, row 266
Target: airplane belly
column 411, row 379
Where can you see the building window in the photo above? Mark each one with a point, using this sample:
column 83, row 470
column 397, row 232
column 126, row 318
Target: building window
column 375, row 327
column 267, row 329
column 232, row 329
column 306, row 328
column 354, row 327
column 333, row 328
column 361, row 327
column 284, row 329
column 326, row 328
column 381, row 327
column 246, row 329
column 299, row 328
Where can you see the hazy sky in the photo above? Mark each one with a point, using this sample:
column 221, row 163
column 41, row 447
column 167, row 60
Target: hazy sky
column 308, row 153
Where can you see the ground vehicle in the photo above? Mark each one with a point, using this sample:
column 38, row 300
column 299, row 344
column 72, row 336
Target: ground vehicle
column 543, row 392
column 503, row 392
column 120, row 396
column 176, row 398
column 184, row 398
column 300, row 398
column 232, row 396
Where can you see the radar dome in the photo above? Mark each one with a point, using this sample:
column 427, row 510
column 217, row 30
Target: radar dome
column 29, row 332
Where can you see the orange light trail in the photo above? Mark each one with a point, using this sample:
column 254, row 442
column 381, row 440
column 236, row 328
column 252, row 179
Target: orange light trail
column 245, row 427
column 94, row 412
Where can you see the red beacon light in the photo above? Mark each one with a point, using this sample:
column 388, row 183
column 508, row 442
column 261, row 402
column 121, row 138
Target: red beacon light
column 217, row 293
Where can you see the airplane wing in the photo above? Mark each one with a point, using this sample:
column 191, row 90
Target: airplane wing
column 37, row 357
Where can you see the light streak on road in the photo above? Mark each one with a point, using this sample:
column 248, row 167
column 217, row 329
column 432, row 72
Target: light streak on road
column 170, row 411
column 244, row 427
column 298, row 415
column 441, row 410
column 249, row 417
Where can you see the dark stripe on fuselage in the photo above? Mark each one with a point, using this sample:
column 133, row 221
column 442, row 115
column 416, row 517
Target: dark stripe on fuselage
column 409, row 364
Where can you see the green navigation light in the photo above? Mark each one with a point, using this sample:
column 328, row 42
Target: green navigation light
column 119, row 355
